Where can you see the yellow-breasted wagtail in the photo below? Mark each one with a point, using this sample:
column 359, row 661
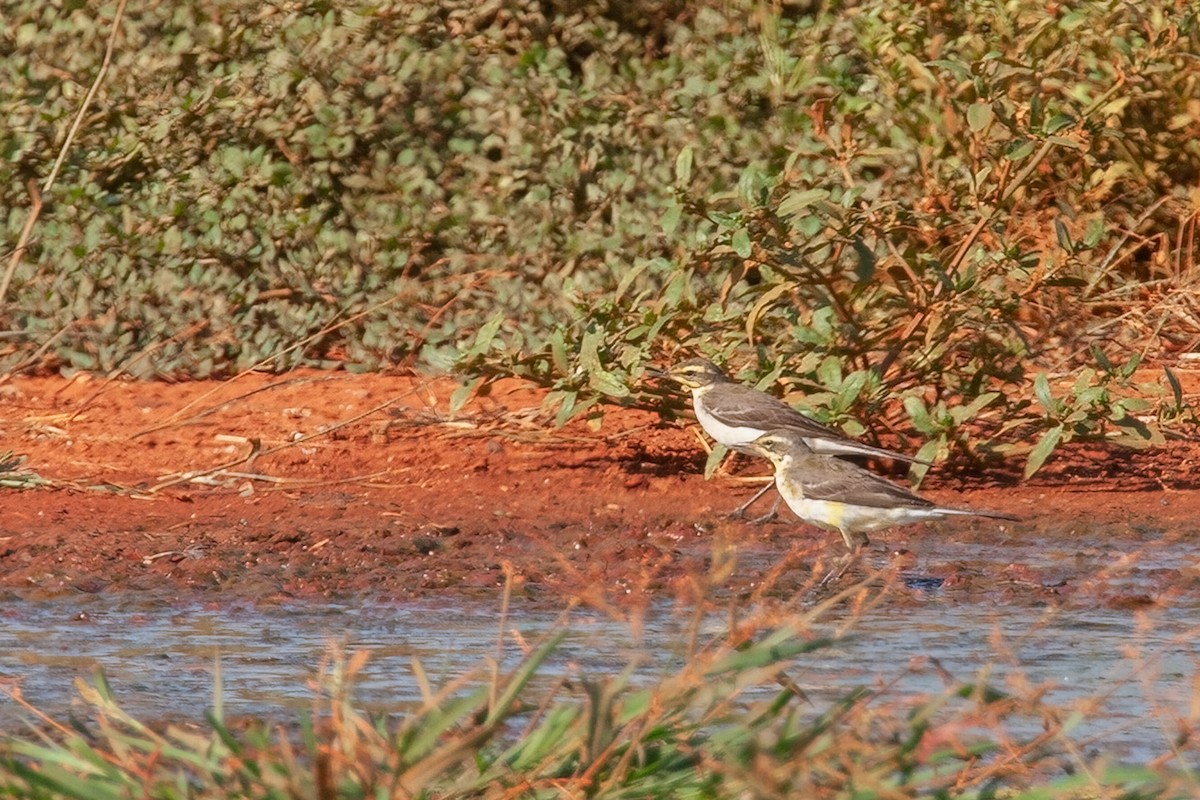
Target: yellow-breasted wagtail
column 838, row 495
column 736, row 415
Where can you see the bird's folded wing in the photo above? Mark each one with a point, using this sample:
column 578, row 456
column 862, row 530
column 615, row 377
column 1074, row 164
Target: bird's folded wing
column 859, row 488
column 742, row 406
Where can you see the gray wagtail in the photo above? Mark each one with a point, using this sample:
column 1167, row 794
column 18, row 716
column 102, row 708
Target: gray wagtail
column 736, row 415
column 838, row 495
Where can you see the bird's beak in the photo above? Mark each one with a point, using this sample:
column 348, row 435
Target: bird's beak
column 758, row 447
column 658, row 373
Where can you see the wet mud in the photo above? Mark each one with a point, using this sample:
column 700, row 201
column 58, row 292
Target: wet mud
column 270, row 489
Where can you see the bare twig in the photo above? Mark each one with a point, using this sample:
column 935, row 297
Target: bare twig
column 1102, row 269
column 172, row 422
column 35, row 208
column 326, row 431
column 190, row 331
column 257, row 451
column 46, row 345
column 184, row 477
column 329, row 328
column 35, row 195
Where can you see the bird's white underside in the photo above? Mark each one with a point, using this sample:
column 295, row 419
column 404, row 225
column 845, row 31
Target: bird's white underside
column 738, row 437
column 730, row 436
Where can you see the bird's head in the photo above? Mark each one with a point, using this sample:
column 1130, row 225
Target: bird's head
column 694, row 373
column 781, row 446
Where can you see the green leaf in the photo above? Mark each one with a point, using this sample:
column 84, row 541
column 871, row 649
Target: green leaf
column 850, row 389
column 1091, row 396
column 963, row 413
column 1041, row 390
column 233, row 160
column 683, row 166
column 761, row 305
column 607, row 383
column 1078, row 415
column 566, row 408
column 630, row 276
column 854, row 428
column 1085, row 378
column 1176, row 387
column 462, row 394
column 1019, row 150
column 779, row 645
column 754, row 185
column 1057, row 122
column 741, row 243
column 483, row 339
column 1134, row 405
column 1074, row 19
column 1042, row 450
column 961, row 71
column 589, row 351
column 548, row 738
column 558, row 352
column 829, row 373
column 979, row 116
column 915, row 408
column 809, row 225
column 1102, row 359
column 864, row 265
column 1135, row 433
column 714, row 460
column 670, row 218
column 928, row 452
column 795, row 202
column 1130, row 366
column 1070, row 144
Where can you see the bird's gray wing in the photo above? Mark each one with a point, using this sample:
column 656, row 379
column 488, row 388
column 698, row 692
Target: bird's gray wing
column 824, row 478
column 744, row 407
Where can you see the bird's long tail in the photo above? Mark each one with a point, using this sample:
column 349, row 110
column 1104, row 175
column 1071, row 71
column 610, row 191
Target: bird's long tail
column 827, row 447
column 970, row 512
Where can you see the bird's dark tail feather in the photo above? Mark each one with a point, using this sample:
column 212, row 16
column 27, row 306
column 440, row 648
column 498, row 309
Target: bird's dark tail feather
column 851, row 448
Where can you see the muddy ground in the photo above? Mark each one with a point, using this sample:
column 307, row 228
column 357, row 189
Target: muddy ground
column 409, row 501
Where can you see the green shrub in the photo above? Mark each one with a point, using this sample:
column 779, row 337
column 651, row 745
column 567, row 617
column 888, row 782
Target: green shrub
column 929, row 203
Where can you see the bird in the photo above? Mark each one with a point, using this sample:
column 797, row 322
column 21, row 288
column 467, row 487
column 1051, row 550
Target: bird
column 842, row 496
column 736, row 415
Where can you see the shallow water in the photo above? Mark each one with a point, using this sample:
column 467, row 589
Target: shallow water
column 160, row 660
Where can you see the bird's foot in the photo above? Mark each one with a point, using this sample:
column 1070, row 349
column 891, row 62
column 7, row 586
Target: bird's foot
column 770, row 516
column 740, row 511
column 848, row 560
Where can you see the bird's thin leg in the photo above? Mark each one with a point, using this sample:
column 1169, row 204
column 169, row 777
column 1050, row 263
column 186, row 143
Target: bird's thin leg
column 770, row 515
column 847, row 561
column 740, row 511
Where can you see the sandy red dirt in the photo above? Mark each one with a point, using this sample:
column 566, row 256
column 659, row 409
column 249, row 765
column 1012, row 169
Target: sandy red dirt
column 409, row 501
